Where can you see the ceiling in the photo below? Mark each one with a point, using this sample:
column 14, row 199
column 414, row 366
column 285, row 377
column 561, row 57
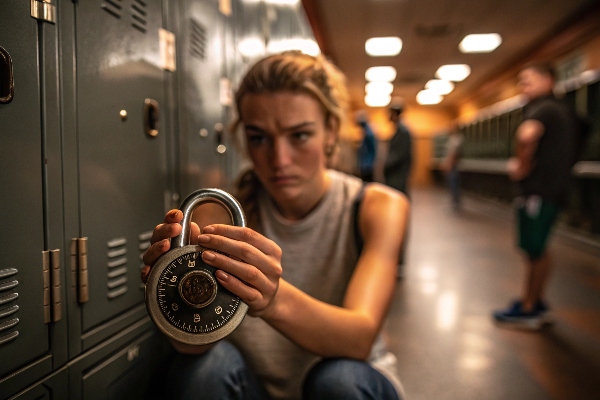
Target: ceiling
column 431, row 31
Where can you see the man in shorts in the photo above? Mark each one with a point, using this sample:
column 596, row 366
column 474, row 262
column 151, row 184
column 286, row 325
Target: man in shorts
column 547, row 142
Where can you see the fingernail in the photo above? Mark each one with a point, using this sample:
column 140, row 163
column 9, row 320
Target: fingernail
column 208, row 229
column 175, row 214
column 208, row 255
column 222, row 276
column 203, row 238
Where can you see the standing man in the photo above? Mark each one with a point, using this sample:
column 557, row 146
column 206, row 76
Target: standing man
column 396, row 168
column 547, row 142
column 399, row 156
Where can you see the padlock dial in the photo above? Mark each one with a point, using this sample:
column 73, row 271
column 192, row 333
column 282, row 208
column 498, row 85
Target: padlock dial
column 190, row 298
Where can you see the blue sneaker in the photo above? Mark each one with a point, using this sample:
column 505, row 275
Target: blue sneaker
column 515, row 317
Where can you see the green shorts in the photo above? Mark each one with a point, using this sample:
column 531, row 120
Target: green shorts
column 535, row 220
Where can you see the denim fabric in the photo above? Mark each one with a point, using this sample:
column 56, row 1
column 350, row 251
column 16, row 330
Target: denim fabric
column 221, row 374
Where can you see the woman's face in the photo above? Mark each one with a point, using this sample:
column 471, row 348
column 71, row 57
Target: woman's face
column 286, row 136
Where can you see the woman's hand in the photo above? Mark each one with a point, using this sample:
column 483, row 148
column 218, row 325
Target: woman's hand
column 254, row 268
column 160, row 241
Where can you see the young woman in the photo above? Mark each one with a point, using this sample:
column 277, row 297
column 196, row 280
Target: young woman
column 317, row 264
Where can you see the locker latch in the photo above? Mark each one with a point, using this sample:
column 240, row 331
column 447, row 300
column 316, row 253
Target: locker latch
column 43, row 10
column 79, row 269
column 52, row 286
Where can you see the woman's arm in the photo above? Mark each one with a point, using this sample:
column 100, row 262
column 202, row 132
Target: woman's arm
column 324, row 329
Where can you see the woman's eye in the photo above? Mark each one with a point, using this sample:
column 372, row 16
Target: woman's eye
column 255, row 140
column 301, row 136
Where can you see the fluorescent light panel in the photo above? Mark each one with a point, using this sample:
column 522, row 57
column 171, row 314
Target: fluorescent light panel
column 383, row 46
column 307, row 46
column 384, row 88
column 440, row 86
column 428, row 97
column 480, row 43
column 252, row 47
column 377, row 100
column 453, row 72
column 385, row 74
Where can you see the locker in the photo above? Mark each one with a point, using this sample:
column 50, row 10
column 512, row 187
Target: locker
column 121, row 154
column 54, row 387
column 200, row 57
column 32, row 326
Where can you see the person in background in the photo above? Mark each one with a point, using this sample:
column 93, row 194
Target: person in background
column 397, row 163
column 316, row 264
column 547, row 143
column 450, row 163
column 399, row 154
column 368, row 148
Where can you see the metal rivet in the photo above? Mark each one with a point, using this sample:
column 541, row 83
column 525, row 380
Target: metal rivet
column 123, row 115
column 203, row 132
column 221, row 149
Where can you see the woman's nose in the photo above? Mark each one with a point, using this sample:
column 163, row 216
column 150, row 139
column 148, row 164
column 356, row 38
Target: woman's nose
column 281, row 153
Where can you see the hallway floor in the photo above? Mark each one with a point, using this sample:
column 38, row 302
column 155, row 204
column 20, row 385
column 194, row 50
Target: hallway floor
column 460, row 267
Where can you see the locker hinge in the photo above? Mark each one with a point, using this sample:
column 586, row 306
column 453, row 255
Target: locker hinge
column 43, row 10
column 52, row 286
column 79, row 269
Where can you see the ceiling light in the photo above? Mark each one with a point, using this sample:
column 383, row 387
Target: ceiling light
column 426, row 97
column 383, row 46
column 480, row 43
column 386, row 74
column 440, row 86
column 377, row 100
column 307, row 46
column 251, row 47
column 453, row 72
column 277, row 2
column 379, row 88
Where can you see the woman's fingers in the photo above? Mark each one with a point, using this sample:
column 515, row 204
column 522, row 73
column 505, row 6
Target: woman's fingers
column 238, row 234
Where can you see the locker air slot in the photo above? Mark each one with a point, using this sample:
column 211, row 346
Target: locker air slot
column 8, row 298
column 7, row 85
column 8, row 337
column 8, row 324
column 8, row 285
column 5, row 312
column 117, row 267
column 112, row 7
column 6, row 273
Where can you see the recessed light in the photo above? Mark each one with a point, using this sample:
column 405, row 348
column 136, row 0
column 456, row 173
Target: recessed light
column 377, row 100
column 251, row 47
column 307, row 46
column 480, row 43
column 386, row 74
column 453, row 72
column 383, row 46
column 440, row 86
column 379, row 87
column 427, row 97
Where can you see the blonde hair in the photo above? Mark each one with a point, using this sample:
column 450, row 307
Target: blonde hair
column 296, row 72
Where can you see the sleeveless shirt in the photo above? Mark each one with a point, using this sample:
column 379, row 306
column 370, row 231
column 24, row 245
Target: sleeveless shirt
column 319, row 255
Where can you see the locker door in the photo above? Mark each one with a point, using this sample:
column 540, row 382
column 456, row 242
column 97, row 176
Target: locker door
column 200, row 49
column 122, row 161
column 23, row 333
column 55, row 387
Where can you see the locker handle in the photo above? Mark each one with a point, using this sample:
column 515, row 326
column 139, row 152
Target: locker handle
column 7, row 86
column 151, row 117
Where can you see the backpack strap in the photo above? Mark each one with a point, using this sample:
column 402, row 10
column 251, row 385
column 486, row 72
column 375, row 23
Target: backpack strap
column 355, row 210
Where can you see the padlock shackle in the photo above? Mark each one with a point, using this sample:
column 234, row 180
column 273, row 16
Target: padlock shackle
column 201, row 196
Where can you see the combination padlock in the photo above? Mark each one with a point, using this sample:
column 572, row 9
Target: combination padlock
column 183, row 297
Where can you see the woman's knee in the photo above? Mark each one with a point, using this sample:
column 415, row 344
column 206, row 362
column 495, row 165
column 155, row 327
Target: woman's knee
column 334, row 379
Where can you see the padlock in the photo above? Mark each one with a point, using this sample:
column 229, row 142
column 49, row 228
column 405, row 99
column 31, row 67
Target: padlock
column 183, row 297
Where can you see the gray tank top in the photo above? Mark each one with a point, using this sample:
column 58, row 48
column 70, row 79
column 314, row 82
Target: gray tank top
column 319, row 257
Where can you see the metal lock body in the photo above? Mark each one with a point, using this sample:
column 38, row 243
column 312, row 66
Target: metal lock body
column 183, row 297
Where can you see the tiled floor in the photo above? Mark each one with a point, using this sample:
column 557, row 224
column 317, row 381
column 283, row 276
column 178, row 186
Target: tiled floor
column 460, row 267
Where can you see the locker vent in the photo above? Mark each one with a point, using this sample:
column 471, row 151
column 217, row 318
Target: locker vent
column 117, row 268
column 197, row 39
column 139, row 15
column 113, row 7
column 8, row 308
column 144, row 243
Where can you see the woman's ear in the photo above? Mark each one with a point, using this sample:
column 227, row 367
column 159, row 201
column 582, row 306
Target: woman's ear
column 332, row 132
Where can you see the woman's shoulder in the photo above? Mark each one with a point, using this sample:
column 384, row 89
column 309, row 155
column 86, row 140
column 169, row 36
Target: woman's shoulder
column 381, row 198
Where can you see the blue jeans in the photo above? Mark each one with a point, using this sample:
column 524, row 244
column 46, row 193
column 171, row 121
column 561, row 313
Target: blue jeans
column 221, row 373
column 454, row 186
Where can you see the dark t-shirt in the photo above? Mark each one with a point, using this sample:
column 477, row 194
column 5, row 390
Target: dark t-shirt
column 399, row 160
column 557, row 149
